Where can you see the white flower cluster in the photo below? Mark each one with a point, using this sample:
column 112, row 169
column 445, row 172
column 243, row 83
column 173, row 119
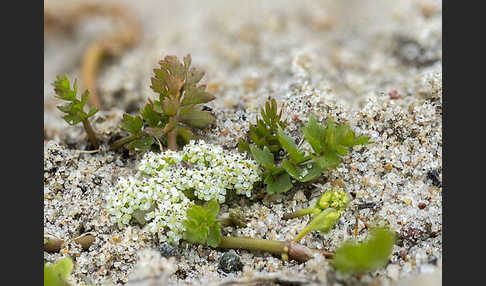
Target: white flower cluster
column 158, row 188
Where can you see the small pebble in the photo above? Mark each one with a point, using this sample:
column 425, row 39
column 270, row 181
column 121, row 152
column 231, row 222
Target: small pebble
column 168, row 250
column 230, row 262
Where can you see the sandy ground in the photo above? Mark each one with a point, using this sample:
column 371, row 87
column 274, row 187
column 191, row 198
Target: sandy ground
column 375, row 64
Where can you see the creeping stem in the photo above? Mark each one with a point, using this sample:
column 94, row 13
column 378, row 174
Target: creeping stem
column 286, row 249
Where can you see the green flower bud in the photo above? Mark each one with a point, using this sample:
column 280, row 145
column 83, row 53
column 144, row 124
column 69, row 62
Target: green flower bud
column 336, row 199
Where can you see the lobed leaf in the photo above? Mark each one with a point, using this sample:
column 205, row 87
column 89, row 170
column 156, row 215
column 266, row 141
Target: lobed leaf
column 264, row 157
column 196, row 95
column 193, row 115
column 370, row 255
column 201, row 224
column 278, row 183
column 132, row 124
column 314, row 134
column 289, row 145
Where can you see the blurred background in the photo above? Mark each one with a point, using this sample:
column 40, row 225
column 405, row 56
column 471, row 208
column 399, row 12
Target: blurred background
column 348, row 50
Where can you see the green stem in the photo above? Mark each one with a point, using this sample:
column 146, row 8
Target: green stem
column 299, row 213
column 285, row 249
column 302, row 233
column 259, row 244
column 91, row 134
column 120, row 142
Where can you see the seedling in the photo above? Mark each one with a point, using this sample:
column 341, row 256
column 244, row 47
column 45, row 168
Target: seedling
column 75, row 110
column 328, row 144
column 176, row 111
column 264, row 132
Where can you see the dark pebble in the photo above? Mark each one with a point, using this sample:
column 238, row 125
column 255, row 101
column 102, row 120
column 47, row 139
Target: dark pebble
column 230, row 262
column 168, row 250
column 421, row 206
column 434, row 176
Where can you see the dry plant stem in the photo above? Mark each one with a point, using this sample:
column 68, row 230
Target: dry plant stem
column 91, row 134
column 287, row 249
column 126, row 36
column 91, row 62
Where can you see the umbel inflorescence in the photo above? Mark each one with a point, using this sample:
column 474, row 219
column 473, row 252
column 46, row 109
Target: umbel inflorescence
column 166, row 182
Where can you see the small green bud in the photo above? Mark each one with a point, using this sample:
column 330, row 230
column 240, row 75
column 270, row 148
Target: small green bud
column 336, row 199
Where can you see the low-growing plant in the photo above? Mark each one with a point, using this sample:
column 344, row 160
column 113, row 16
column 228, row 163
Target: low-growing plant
column 202, row 227
column 264, row 132
column 328, row 145
column 75, row 109
column 167, row 121
column 177, row 110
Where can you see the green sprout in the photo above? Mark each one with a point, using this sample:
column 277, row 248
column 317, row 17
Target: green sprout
column 57, row 274
column 328, row 144
column 374, row 253
column 326, row 212
column 264, row 132
column 177, row 110
column 75, row 109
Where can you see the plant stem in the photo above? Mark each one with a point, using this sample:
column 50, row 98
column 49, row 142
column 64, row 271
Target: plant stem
column 120, row 142
column 172, row 140
column 91, row 134
column 259, row 244
column 285, row 249
column 299, row 213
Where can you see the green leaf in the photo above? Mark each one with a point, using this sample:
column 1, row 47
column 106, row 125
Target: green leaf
column 170, row 106
column 194, row 116
column 63, row 89
column 132, row 124
column 328, row 161
column 314, row 134
column 264, row 157
column 313, row 172
column 370, row 255
column 362, row 140
column 141, row 144
column 151, row 117
column 289, row 145
column 196, row 95
column 72, row 119
column 243, row 146
column 187, row 62
column 193, row 77
column 92, row 111
column 56, row 274
column 201, row 224
column 278, row 183
column 185, row 134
